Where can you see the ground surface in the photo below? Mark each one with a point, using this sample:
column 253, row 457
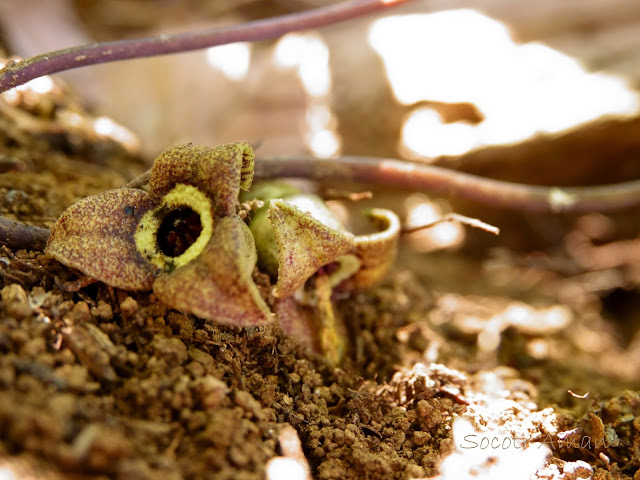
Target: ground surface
column 104, row 383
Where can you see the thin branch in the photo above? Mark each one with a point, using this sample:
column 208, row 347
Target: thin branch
column 139, row 181
column 454, row 217
column 438, row 180
column 407, row 176
column 428, row 178
column 19, row 235
column 20, row 72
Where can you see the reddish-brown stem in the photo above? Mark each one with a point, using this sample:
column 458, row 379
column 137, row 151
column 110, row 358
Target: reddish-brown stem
column 428, row 178
column 407, row 176
column 18, row 73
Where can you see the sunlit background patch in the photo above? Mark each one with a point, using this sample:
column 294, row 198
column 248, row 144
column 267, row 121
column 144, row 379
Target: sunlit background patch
column 464, row 56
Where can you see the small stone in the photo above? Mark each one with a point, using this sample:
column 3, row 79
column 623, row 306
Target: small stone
column 417, row 341
column 15, row 301
column 128, row 307
column 238, row 456
column 172, row 350
column 103, row 311
column 99, row 447
column 64, row 405
column 75, row 376
column 66, row 357
column 211, row 391
column 421, row 438
column 349, row 437
column 196, row 369
column 34, row 347
column 423, row 408
column 93, row 348
column 198, row 355
column 197, row 421
column 7, row 376
column 19, row 337
column 80, row 313
column 134, row 468
column 577, row 470
column 245, row 401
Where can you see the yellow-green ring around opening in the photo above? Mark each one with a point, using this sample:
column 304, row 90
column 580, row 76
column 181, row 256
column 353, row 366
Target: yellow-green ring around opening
column 146, row 235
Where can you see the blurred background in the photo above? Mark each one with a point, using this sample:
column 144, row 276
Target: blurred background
column 537, row 92
column 429, row 79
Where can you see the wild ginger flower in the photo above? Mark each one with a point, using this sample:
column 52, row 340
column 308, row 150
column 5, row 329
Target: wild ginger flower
column 185, row 240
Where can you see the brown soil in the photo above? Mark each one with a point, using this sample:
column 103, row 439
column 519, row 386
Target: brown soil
column 104, row 383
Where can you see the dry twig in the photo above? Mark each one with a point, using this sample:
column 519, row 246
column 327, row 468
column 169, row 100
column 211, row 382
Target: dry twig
column 20, row 235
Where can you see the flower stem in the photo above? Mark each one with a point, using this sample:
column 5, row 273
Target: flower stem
column 438, row 180
column 19, row 72
column 408, row 176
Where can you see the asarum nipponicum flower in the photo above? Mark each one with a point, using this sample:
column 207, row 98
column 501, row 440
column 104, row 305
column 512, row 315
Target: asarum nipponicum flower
column 184, row 239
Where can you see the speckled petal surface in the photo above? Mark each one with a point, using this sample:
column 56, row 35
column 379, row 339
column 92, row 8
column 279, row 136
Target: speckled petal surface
column 95, row 236
column 304, row 245
column 219, row 172
column 219, row 286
